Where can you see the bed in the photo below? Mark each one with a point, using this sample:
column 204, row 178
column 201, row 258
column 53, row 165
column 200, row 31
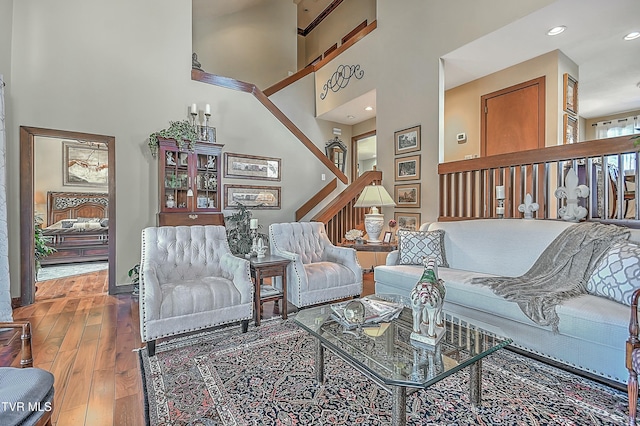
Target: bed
column 78, row 227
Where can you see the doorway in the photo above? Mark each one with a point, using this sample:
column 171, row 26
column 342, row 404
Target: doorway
column 28, row 200
column 363, row 159
column 513, row 119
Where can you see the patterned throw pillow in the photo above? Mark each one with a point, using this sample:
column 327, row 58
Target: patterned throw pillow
column 617, row 274
column 414, row 246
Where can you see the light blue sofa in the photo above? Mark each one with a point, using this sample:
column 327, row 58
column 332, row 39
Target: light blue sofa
column 592, row 329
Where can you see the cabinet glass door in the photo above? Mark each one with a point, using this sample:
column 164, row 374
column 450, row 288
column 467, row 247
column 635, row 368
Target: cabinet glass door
column 176, row 180
column 206, row 181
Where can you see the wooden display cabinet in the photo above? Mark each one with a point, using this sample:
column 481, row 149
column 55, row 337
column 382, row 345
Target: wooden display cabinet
column 189, row 183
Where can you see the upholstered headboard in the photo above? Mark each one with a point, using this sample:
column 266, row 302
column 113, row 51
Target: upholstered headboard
column 71, row 205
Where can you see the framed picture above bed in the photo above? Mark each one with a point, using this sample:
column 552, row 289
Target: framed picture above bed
column 85, row 164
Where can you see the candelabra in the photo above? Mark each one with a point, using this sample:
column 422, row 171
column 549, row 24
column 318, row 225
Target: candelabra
column 205, row 130
column 206, row 133
column 193, row 112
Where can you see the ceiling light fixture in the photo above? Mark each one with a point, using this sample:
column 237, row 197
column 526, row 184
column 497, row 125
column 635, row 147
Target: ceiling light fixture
column 556, row 30
column 350, row 117
column 368, row 108
column 632, row 36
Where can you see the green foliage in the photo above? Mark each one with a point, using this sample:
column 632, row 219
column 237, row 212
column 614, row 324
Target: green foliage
column 636, row 140
column 181, row 131
column 42, row 250
column 134, row 274
column 239, row 233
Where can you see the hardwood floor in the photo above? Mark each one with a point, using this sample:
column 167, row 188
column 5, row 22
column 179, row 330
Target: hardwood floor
column 87, row 339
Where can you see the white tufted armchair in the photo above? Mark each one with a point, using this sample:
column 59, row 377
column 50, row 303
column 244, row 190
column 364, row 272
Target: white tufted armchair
column 319, row 271
column 189, row 280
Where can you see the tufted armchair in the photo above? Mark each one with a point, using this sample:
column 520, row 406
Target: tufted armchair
column 319, row 271
column 189, row 280
column 26, row 393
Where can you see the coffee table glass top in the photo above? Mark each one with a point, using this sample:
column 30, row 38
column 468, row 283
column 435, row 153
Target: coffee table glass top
column 388, row 355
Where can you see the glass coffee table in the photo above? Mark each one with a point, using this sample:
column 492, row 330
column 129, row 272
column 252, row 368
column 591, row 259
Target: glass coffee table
column 387, row 355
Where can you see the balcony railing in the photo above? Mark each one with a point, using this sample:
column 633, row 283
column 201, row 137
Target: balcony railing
column 609, row 167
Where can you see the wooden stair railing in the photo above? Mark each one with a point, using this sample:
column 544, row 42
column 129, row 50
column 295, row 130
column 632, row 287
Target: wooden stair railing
column 233, row 84
column 467, row 187
column 359, row 35
column 339, row 216
column 316, row 199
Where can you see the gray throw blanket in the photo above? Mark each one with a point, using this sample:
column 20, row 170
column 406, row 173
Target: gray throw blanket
column 561, row 271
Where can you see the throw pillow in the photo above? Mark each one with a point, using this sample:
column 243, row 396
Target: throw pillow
column 414, row 246
column 617, row 273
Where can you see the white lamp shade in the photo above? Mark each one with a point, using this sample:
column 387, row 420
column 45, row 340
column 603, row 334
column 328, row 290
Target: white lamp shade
column 374, row 196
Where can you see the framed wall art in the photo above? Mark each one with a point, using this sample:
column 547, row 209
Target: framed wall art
column 570, row 125
column 407, row 195
column 251, row 167
column 407, row 140
column 407, row 221
column 85, row 164
column 255, row 197
column 570, row 94
column 408, row 168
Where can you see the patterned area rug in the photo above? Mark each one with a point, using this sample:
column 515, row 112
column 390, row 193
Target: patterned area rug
column 266, row 377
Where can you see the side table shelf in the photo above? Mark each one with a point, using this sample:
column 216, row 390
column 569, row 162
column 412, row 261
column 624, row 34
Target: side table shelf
column 265, row 267
column 372, row 248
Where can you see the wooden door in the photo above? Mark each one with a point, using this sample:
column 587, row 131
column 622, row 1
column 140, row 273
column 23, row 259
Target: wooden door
column 513, row 119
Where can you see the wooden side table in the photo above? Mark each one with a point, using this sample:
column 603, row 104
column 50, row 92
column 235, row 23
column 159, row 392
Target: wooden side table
column 265, row 267
column 369, row 247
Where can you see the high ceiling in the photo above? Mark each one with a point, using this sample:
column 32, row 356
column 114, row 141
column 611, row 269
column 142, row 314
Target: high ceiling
column 608, row 66
column 308, row 10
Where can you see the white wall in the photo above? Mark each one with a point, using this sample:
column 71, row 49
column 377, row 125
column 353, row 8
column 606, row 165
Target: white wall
column 6, row 14
column 411, row 39
column 257, row 45
column 122, row 69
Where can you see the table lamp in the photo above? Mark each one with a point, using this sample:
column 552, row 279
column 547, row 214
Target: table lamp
column 374, row 196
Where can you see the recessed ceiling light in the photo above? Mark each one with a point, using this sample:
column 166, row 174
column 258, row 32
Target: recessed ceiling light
column 368, row 108
column 632, row 36
column 556, row 30
column 350, row 117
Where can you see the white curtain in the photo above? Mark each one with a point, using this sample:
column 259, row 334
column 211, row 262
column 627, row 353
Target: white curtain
column 618, row 127
column 6, row 314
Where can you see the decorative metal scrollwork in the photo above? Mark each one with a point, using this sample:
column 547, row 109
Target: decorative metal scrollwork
column 340, row 78
column 62, row 203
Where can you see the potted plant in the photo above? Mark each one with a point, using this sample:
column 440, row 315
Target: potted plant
column 42, row 249
column 181, row 131
column 134, row 274
column 239, row 233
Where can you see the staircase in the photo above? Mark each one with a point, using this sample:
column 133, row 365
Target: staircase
column 339, row 216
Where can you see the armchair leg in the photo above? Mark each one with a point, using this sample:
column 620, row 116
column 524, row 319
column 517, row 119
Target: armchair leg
column 632, row 391
column 245, row 326
column 151, row 347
